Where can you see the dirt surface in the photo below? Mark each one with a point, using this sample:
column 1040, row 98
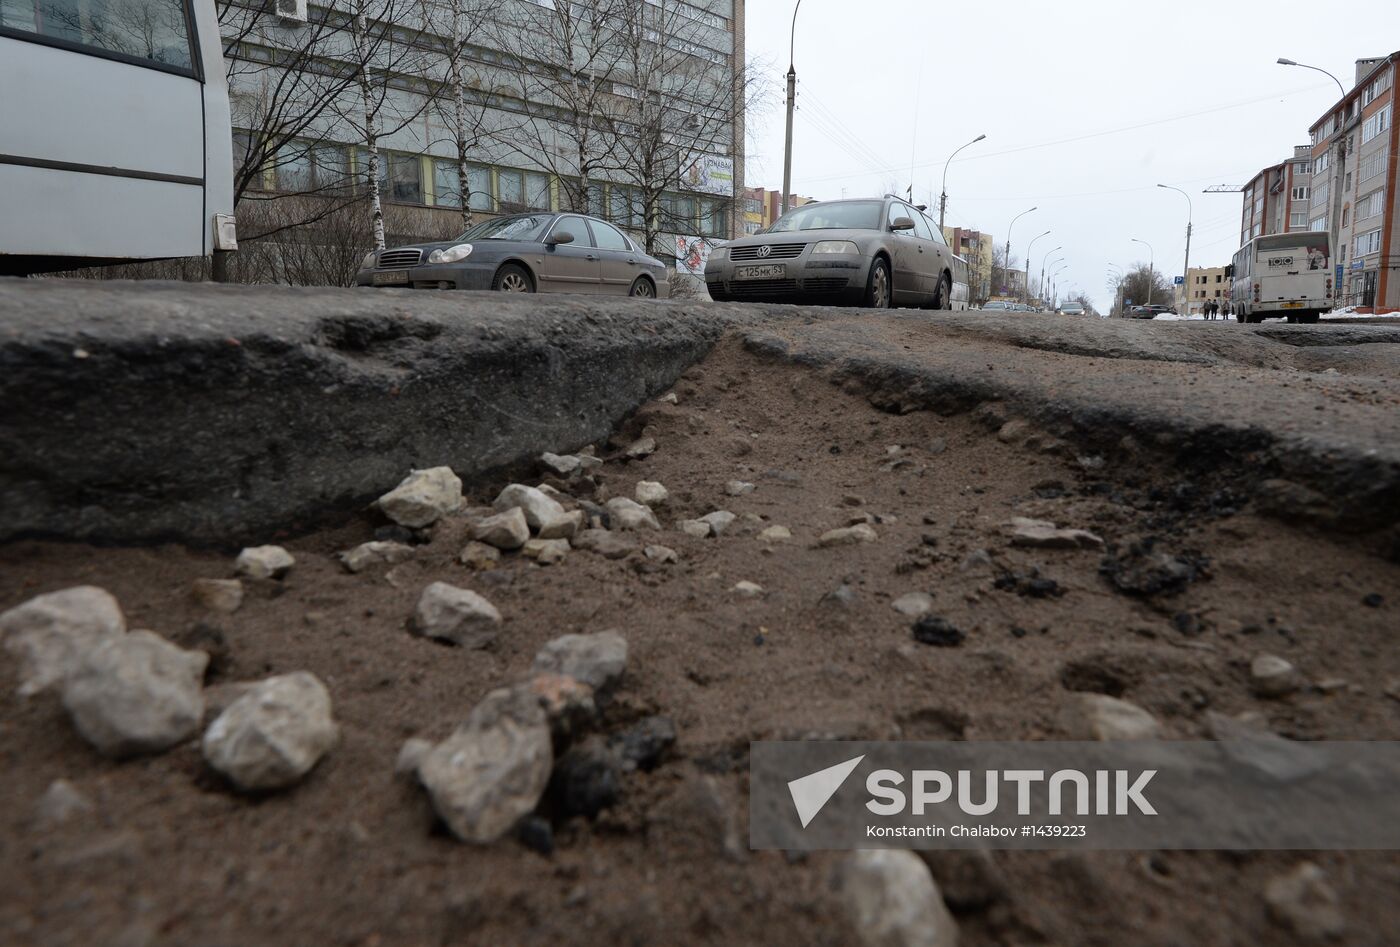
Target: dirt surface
column 352, row 855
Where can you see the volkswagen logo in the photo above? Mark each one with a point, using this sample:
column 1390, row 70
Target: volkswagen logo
column 765, row 251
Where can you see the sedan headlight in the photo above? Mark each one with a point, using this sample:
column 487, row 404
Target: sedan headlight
column 371, row 258
column 452, row 254
column 835, row 246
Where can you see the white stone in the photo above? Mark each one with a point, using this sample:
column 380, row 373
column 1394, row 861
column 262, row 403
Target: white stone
column 775, row 534
column 719, row 521
column 565, row 526
column 651, row 493
column 628, row 514
column 848, row 536
column 564, row 465
column 493, row 770
column 376, row 553
column 1100, row 717
column 274, row 734
column 136, row 693
column 748, row 589
column 264, row 562
column 913, row 605
column 642, row 448
column 538, row 508
column 1303, row 901
column 218, row 595
column 62, row 802
column 50, row 633
column 1272, row 676
column 669, row 398
column 507, row 530
column 411, row 756
column 739, row 488
column 699, row 529
column 546, row 552
column 457, row 616
column 597, row 660
column 479, row 556
column 1042, row 534
column 891, row 900
column 662, row 554
column 423, row 497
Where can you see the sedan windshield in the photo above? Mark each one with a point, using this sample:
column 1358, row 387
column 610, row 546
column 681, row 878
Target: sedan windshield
column 523, row 227
column 844, row 215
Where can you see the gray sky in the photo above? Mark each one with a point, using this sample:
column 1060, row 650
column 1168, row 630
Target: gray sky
column 1086, row 107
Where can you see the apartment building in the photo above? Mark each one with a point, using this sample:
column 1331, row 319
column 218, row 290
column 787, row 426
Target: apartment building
column 1278, row 198
column 1354, row 154
column 976, row 248
column 1204, row 284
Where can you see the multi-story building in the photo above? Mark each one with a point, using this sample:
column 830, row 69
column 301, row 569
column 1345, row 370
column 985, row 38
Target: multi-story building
column 1277, row 199
column 753, row 210
column 510, row 171
column 1354, row 152
column 1204, row 284
column 976, row 248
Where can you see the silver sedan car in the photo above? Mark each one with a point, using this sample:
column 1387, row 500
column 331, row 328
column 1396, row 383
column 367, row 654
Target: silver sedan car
column 525, row 253
column 878, row 252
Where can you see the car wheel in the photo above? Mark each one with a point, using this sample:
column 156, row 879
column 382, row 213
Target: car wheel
column 1239, row 317
column 642, row 288
column 944, row 299
column 513, row 278
column 877, row 285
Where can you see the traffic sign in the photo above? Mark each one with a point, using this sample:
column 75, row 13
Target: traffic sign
column 1178, row 280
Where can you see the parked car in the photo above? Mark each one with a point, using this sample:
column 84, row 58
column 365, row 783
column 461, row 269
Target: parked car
column 876, row 252
column 998, row 306
column 1140, row 312
column 524, row 253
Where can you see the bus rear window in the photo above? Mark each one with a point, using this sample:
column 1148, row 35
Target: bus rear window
column 153, row 30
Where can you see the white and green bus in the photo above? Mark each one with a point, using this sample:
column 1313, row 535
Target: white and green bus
column 1283, row 274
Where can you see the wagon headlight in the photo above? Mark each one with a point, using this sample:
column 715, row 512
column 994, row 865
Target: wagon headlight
column 452, row 254
column 371, row 258
column 835, row 246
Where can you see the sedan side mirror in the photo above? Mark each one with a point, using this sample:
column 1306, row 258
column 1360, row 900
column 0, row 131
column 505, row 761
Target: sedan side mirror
column 902, row 223
column 557, row 238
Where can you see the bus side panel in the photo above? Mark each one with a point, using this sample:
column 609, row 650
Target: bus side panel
column 129, row 120
column 218, row 125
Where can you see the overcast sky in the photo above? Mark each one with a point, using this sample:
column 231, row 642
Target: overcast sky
column 1086, row 107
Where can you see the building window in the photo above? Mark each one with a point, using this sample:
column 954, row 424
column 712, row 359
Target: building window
column 1298, row 221
column 510, row 190
column 405, row 178
column 448, row 191
column 1323, row 162
column 1368, row 243
column 1301, row 193
column 1373, row 164
column 1370, row 205
column 1319, row 224
column 1376, row 124
column 537, row 190
column 1319, row 194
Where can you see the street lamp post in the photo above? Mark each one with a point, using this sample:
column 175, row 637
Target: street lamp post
column 1055, row 285
column 791, row 101
column 1043, row 264
column 1027, row 294
column 1335, row 225
column 1151, row 270
column 1186, row 267
column 943, row 198
column 1006, row 264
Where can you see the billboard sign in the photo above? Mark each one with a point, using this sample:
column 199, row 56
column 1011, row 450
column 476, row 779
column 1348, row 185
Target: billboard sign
column 692, row 253
column 709, row 174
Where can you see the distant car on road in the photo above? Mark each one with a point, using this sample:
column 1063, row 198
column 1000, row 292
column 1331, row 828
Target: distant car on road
column 998, row 306
column 524, row 253
column 876, row 252
column 1071, row 309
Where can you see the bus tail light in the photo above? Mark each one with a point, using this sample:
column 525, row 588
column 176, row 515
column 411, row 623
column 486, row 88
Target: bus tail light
column 1256, row 292
column 1329, row 287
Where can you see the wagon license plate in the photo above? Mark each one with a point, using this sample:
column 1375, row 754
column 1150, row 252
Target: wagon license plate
column 390, row 277
column 771, row 271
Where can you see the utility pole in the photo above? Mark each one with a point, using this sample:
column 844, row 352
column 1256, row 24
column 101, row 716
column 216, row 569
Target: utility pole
column 791, row 102
column 1026, row 296
column 943, row 198
column 1186, row 267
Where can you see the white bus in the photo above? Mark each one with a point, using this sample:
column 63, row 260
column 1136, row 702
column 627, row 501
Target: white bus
column 115, row 140
column 1283, row 274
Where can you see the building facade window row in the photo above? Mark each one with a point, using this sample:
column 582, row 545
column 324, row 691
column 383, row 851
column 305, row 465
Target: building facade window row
column 1376, row 124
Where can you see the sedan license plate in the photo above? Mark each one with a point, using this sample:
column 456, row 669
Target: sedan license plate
column 390, row 277
column 771, row 271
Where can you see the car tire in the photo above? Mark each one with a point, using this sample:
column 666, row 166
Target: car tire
column 944, row 299
column 513, row 278
column 1239, row 317
column 878, row 290
column 642, row 288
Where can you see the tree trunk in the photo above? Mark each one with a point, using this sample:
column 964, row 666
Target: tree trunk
column 460, row 104
column 371, row 137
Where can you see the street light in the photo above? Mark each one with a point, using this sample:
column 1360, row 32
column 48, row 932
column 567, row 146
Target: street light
column 943, row 198
column 1186, row 268
column 1006, row 264
column 1334, row 228
column 1042, row 271
column 791, row 101
column 1027, row 294
column 1151, row 273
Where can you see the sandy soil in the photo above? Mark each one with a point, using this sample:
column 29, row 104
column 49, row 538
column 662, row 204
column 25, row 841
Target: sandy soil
column 352, row 855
